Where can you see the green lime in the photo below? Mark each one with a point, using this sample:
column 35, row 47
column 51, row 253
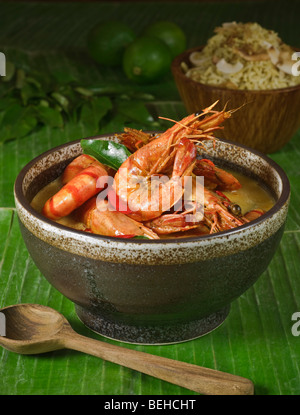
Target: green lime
column 107, row 41
column 170, row 33
column 146, row 59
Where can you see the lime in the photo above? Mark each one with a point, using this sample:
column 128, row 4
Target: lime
column 146, row 59
column 107, row 41
column 170, row 33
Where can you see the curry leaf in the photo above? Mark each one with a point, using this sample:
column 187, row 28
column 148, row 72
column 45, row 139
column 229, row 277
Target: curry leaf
column 136, row 111
column 49, row 116
column 17, row 121
column 29, row 91
column 116, row 124
column 61, row 100
column 84, row 91
column 6, row 102
column 10, row 71
column 64, row 75
column 25, row 125
column 93, row 111
column 30, row 97
column 21, row 76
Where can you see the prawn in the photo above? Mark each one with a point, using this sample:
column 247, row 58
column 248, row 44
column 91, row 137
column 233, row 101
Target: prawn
column 214, row 177
column 253, row 214
column 75, row 192
column 100, row 218
column 139, row 185
column 218, row 213
column 173, row 153
column 76, row 166
column 134, row 139
column 174, row 223
column 218, row 221
column 221, row 214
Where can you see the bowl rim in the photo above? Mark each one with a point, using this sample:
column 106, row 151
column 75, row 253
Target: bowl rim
column 282, row 200
column 176, row 69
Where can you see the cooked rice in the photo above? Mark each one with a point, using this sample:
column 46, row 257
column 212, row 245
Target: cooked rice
column 232, row 42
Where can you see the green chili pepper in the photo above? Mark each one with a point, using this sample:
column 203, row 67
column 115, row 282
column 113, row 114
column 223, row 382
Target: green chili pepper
column 107, row 152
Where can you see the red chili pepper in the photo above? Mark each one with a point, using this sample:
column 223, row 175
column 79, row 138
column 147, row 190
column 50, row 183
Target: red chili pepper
column 222, row 195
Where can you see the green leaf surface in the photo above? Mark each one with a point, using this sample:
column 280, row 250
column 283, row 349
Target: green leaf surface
column 10, row 71
column 61, row 99
column 136, row 111
column 17, row 121
column 49, row 116
column 107, row 152
column 92, row 112
column 29, row 91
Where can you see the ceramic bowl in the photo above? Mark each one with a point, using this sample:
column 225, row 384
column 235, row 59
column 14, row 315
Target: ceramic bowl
column 152, row 291
column 266, row 123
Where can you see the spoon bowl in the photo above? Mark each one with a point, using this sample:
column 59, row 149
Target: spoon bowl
column 34, row 329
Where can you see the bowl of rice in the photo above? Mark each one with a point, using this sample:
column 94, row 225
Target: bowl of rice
column 253, row 70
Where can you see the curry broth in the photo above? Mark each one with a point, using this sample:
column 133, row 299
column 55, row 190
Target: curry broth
column 250, row 196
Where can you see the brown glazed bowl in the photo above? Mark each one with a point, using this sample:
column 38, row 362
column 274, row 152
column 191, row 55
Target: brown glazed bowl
column 266, row 123
column 152, row 291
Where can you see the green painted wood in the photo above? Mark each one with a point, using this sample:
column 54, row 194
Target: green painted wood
column 256, row 340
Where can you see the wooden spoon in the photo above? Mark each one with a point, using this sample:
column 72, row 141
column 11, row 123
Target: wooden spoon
column 32, row 328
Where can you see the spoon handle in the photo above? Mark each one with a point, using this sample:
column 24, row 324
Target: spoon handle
column 196, row 378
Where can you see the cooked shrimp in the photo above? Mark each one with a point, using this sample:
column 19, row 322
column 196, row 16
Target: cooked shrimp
column 173, row 152
column 218, row 212
column 100, row 218
column 171, row 223
column 77, row 191
column 253, row 214
column 76, row 166
column 214, row 177
column 138, row 183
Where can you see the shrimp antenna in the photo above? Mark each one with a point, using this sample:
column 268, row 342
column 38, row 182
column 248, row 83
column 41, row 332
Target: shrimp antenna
column 206, row 110
column 174, row 121
column 236, row 109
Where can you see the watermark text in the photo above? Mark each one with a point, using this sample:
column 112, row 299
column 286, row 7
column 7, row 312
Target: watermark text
column 2, row 324
column 2, row 64
column 296, row 66
column 154, row 194
column 296, row 325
